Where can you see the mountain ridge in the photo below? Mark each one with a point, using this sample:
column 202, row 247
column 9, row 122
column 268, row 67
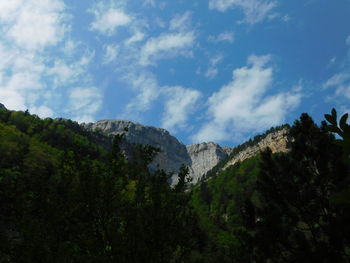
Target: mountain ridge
column 201, row 158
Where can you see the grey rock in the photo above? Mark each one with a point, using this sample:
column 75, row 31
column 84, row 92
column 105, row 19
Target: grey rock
column 204, row 157
column 200, row 158
column 173, row 153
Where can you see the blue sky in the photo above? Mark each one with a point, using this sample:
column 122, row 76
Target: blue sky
column 208, row 70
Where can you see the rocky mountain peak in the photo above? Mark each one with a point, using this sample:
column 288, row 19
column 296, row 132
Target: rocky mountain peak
column 173, row 153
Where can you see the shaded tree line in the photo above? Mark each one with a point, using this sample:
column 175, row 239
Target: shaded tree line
column 64, row 198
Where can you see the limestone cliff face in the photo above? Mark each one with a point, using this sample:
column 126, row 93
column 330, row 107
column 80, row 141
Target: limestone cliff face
column 204, row 157
column 276, row 141
column 200, row 158
column 173, row 153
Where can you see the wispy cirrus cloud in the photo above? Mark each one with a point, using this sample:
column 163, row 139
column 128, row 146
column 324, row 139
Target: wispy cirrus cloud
column 244, row 104
column 177, row 41
column 226, row 36
column 181, row 22
column 111, row 53
column 165, row 46
column 213, row 68
column 255, row 11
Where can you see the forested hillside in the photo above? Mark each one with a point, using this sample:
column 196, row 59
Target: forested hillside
column 65, row 198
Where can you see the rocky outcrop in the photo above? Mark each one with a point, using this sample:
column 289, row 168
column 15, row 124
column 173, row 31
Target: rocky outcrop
column 277, row 141
column 204, row 156
column 200, row 158
column 173, row 153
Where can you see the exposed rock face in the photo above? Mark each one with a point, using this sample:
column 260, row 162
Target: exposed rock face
column 200, row 158
column 2, row 106
column 276, row 141
column 204, row 157
column 173, row 153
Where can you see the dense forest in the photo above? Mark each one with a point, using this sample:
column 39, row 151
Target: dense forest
column 68, row 195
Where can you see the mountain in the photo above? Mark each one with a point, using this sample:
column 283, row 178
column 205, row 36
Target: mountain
column 277, row 141
column 172, row 154
column 204, row 157
column 2, row 106
column 200, row 158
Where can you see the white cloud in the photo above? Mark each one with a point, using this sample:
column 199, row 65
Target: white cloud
column 254, row 10
column 213, row 70
column 33, row 24
column 181, row 22
column 222, row 37
column 30, row 77
column 108, row 18
column 341, row 80
column 111, row 53
column 341, row 83
column 151, row 3
column 286, row 18
column 69, row 48
column 179, row 102
column 84, row 103
column 167, row 45
column 179, row 105
column 64, row 73
column 246, row 104
column 27, row 28
column 136, row 37
column 20, row 81
column 348, row 40
column 61, row 72
column 146, row 85
column 42, row 111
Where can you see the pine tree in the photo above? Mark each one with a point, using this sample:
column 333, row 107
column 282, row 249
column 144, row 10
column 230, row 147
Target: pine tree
column 296, row 221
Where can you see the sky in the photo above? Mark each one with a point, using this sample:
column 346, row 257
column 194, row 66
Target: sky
column 205, row 70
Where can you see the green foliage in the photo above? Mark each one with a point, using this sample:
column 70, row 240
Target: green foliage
column 218, row 202
column 65, row 199
column 296, row 219
column 343, row 130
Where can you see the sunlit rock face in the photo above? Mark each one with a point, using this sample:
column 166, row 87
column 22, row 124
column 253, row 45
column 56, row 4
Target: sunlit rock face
column 277, row 141
column 204, row 157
